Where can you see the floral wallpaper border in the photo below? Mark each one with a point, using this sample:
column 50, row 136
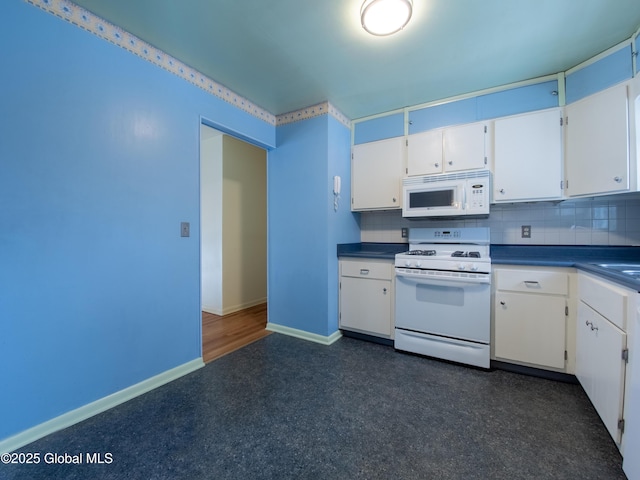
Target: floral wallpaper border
column 86, row 20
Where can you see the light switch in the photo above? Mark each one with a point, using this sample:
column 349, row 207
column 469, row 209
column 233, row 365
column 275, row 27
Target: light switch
column 184, row 229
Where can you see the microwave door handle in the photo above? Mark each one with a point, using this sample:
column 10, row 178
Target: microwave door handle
column 464, row 198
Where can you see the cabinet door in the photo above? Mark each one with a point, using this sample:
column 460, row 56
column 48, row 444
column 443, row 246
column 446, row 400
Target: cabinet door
column 597, row 159
column 424, row 153
column 530, row 328
column 365, row 305
column 600, row 367
column 376, row 174
column 528, row 157
column 464, row 147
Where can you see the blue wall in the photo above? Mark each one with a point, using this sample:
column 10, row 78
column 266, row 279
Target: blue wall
column 99, row 159
column 303, row 229
column 606, row 72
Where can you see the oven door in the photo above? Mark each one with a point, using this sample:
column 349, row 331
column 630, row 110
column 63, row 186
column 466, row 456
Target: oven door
column 449, row 305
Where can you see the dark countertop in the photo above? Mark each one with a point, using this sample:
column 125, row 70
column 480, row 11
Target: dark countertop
column 582, row 257
column 372, row 250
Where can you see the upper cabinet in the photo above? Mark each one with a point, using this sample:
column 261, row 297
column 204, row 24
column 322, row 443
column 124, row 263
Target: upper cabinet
column 597, row 143
column 447, row 150
column 376, row 174
column 528, row 157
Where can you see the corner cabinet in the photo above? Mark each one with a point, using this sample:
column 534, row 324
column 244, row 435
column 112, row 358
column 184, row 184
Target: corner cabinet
column 447, row 150
column 530, row 316
column 528, row 157
column 597, row 143
column 601, row 347
column 367, row 296
column 376, row 174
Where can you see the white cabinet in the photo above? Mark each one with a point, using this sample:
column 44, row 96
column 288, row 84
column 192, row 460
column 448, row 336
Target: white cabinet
column 528, row 157
column 597, row 143
column 601, row 348
column 424, row 153
column 446, row 150
column 367, row 296
column 376, row 174
column 464, row 147
column 530, row 316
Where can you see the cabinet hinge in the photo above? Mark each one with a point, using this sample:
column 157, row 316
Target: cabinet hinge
column 621, row 425
column 566, row 184
column 566, row 355
column 351, row 156
column 561, row 121
column 625, row 355
column 351, row 200
column 566, row 311
column 406, row 142
column 485, row 160
column 339, row 285
column 566, row 120
column 485, row 129
column 406, row 170
column 561, row 184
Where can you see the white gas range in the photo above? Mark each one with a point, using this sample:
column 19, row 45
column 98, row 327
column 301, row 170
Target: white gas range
column 443, row 294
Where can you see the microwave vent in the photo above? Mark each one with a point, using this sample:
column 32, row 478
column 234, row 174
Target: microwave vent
column 447, row 176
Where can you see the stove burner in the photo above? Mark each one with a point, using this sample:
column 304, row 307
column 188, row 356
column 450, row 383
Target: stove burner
column 424, row 253
column 460, row 253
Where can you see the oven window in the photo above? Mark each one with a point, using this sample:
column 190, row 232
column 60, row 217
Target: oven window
column 444, row 295
column 433, row 198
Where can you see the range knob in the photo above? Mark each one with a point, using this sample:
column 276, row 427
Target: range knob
column 473, row 267
column 418, row 264
column 461, row 266
column 407, row 263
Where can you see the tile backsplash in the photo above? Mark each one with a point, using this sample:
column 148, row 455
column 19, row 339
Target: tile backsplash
column 590, row 221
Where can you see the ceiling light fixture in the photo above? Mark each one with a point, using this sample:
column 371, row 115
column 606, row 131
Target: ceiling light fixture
column 385, row 17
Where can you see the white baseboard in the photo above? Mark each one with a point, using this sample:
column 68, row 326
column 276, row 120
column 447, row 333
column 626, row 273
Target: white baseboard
column 236, row 308
column 312, row 337
column 82, row 413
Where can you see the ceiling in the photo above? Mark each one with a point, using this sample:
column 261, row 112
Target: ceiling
column 284, row 55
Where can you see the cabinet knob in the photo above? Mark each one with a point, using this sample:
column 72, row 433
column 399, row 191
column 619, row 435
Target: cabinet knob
column 436, row 165
column 502, row 303
column 450, row 162
column 617, row 179
column 593, row 327
column 501, row 191
column 587, row 323
column 394, row 199
column 384, row 290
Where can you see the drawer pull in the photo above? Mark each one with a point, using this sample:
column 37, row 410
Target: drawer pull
column 531, row 283
column 364, row 271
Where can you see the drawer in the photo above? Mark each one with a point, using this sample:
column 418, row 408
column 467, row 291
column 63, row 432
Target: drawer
column 380, row 269
column 608, row 300
column 533, row 281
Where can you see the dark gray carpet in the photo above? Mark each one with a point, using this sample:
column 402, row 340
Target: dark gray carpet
column 288, row 408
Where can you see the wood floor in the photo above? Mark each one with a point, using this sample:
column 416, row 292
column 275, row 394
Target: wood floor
column 224, row 334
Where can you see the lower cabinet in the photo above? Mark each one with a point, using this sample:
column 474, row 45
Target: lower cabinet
column 601, row 348
column 530, row 317
column 367, row 296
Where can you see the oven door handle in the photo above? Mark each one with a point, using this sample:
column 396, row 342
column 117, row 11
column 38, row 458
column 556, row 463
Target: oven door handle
column 443, row 280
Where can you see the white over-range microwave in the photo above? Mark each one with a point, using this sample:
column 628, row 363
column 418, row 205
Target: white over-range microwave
column 447, row 195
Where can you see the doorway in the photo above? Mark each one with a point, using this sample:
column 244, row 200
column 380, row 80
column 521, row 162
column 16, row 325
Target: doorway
column 233, row 243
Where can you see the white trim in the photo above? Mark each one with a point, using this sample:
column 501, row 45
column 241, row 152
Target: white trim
column 312, row 337
column 236, row 308
column 82, row 413
column 598, row 57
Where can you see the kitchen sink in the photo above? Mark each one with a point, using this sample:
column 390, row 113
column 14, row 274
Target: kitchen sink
column 630, row 269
